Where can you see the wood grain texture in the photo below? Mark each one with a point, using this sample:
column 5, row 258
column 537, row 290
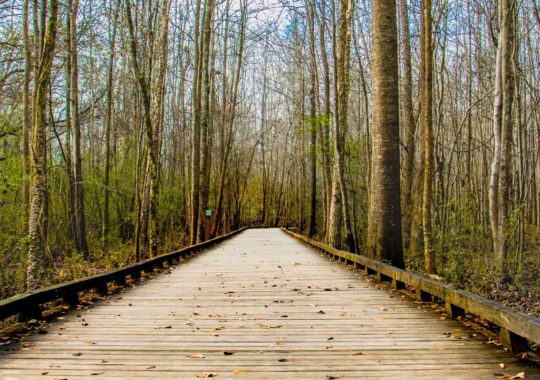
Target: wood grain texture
column 258, row 306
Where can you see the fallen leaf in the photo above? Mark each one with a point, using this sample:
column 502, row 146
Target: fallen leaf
column 283, row 360
column 151, row 367
column 89, row 342
column 334, row 377
column 27, row 344
column 228, row 353
column 96, row 373
column 322, row 312
column 196, row 356
column 77, row 354
column 206, row 375
column 44, row 373
column 358, row 353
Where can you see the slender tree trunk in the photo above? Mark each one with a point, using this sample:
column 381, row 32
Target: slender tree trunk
column 72, row 234
column 427, row 121
column 108, row 126
column 325, row 122
column 196, row 135
column 153, row 140
column 409, row 125
column 206, row 116
column 80, row 217
column 499, row 187
column 27, row 117
column 314, row 124
column 151, row 151
column 37, row 221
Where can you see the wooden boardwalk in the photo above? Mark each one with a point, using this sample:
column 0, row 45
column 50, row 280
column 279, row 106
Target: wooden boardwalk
column 259, row 306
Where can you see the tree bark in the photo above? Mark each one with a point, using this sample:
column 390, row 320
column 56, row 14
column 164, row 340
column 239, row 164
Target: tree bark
column 80, row 217
column 409, row 125
column 384, row 218
column 427, row 121
column 37, row 221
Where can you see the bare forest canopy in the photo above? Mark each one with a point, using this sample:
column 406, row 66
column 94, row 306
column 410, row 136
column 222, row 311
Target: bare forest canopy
column 406, row 131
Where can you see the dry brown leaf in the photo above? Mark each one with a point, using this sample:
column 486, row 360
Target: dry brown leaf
column 196, row 356
column 333, row 377
column 206, row 375
column 151, row 367
column 89, row 342
column 27, row 344
column 358, row 353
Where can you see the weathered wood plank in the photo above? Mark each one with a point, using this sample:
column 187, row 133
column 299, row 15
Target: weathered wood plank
column 514, row 325
column 258, row 306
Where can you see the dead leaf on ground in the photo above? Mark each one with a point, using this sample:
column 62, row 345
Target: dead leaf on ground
column 196, row 356
column 228, row 353
column 27, row 344
column 358, row 353
column 89, row 342
column 333, row 377
column 151, row 367
column 206, row 375
column 520, row 375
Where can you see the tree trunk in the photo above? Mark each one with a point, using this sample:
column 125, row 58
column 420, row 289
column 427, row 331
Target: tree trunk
column 108, row 127
column 499, row 191
column 409, row 125
column 80, row 217
column 384, row 218
column 427, row 121
column 37, row 221
column 27, row 117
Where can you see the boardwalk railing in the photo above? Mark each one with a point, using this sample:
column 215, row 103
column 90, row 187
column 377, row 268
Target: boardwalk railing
column 28, row 304
column 515, row 327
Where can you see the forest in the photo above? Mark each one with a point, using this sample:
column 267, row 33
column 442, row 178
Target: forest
column 407, row 131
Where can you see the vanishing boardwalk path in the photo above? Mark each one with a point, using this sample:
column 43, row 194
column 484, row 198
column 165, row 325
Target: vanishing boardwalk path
column 259, row 306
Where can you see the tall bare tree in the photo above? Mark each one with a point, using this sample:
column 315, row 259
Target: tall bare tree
column 499, row 188
column 384, row 219
column 37, row 223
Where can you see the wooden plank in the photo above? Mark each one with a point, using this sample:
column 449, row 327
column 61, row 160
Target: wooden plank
column 516, row 324
column 258, row 306
column 28, row 304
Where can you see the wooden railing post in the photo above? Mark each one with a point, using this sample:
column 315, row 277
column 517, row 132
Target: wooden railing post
column 513, row 341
